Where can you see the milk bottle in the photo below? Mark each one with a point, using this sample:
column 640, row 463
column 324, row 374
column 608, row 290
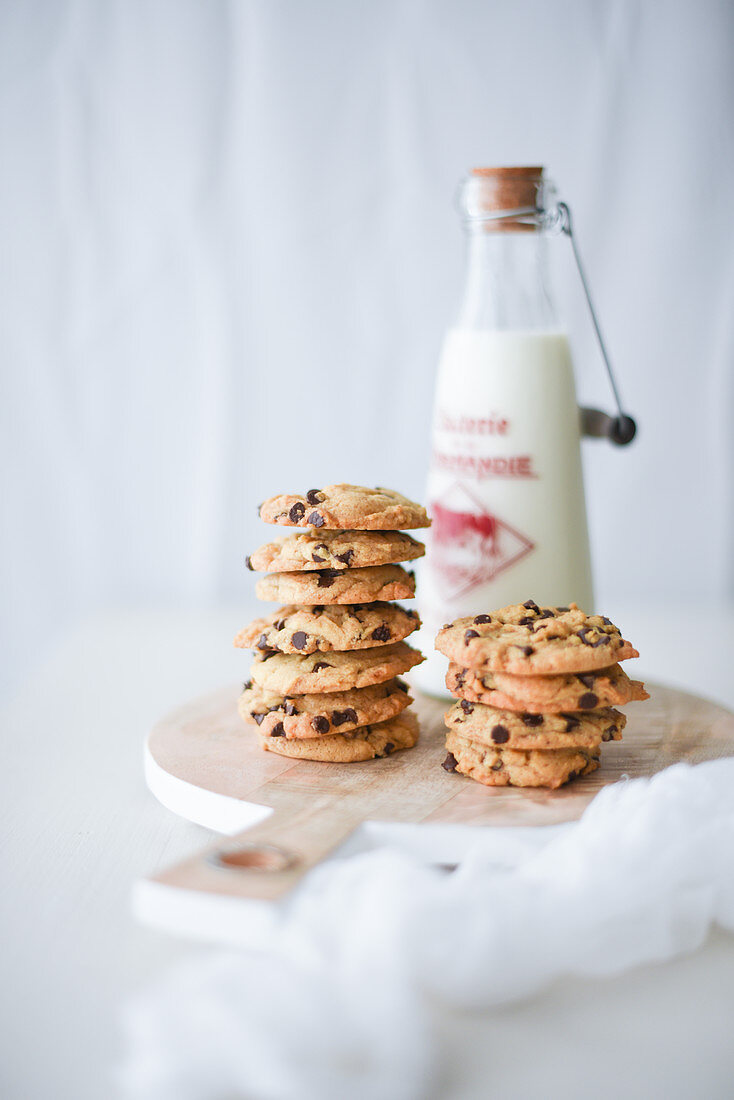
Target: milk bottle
column 505, row 485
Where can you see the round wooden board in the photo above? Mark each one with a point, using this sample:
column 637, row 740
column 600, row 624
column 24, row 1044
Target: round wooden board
column 205, row 764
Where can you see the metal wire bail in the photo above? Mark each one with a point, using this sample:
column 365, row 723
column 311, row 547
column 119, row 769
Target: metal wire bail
column 622, row 428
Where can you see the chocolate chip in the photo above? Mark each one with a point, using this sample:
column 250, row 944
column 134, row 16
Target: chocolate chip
column 586, row 678
column 526, row 619
column 258, row 717
column 531, row 605
column 266, row 656
column 497, row 766
column 315, row 556
column 263, row 642
column 313, row 496
column 606, row 621
column 279, row 624
column 382, row 633
column 460, row 678
column 532, row 719
column 299, row 639
column 450, row 763
column 247, row 685
column 500, row 734
column 388, row 748
column 469, row 634
column 572, row 775
column 562, row 609
column 571, row 722
column 346, row 557
column 466, row 706
column 297, row 512
column 483, row 619
column 248, row 563
column 402, row 685
column 320, row 724
column 321, row 664
column 278, row 730
column 339, row 717
column 527, row 650
column 326, row 577
column 609, row 733
column 316, row 519
column 588, row 700
column 546, row 613
column 289, row 709
column 602, row 640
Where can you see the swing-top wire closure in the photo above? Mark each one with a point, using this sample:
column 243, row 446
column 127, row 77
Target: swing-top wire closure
column 622, row 428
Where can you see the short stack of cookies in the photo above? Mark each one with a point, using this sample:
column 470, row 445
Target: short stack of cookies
column 537, row 689
column 325, row 684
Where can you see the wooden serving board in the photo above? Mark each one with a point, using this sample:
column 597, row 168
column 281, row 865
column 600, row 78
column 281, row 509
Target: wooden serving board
column 203, row 762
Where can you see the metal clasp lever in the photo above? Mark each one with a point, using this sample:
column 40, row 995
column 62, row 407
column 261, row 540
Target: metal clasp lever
column 620, row 429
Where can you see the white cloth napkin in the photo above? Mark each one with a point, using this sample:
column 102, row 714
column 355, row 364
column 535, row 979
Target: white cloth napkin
column 337, row 1003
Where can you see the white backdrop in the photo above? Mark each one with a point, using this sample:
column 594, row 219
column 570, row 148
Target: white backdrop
column 229, row 253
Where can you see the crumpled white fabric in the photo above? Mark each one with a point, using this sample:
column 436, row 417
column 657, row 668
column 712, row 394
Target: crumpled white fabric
column 338, row 1003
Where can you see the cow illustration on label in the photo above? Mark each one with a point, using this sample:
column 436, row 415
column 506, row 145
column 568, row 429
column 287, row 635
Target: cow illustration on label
column 470, row 545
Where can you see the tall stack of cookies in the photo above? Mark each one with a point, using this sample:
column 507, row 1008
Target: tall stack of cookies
column 537, row 689
column 325, row 683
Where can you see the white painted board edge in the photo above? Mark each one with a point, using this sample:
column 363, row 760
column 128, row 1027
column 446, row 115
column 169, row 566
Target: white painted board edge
column 218, row 812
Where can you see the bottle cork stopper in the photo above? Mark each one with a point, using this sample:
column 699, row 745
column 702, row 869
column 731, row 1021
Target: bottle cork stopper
column 490, row 190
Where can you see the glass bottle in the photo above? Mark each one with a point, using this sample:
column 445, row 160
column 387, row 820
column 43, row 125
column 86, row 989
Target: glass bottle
column 505, row 486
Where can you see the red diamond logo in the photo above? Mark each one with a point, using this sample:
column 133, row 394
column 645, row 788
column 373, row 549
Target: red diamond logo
column 470, row 545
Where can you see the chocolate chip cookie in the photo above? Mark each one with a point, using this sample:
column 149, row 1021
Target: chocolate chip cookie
column 330, row 586
column 301, row 716
column 293, row 674
column 364, row 743
column 498, row 728
column 320, row 629
column 546, row 694
column 497, row 767
column 345, row 507
column 525, row 639
column 309, row 550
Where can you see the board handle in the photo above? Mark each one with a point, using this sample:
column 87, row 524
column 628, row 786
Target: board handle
column 267, row 861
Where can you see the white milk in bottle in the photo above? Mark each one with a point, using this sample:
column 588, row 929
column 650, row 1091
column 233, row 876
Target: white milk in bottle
column 505, row 486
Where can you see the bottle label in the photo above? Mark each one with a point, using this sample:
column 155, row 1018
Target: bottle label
column 504, row 486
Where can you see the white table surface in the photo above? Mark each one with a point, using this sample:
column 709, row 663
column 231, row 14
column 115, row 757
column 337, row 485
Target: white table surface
column 78, row 827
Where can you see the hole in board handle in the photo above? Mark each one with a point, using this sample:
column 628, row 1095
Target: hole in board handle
column 253, row 857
